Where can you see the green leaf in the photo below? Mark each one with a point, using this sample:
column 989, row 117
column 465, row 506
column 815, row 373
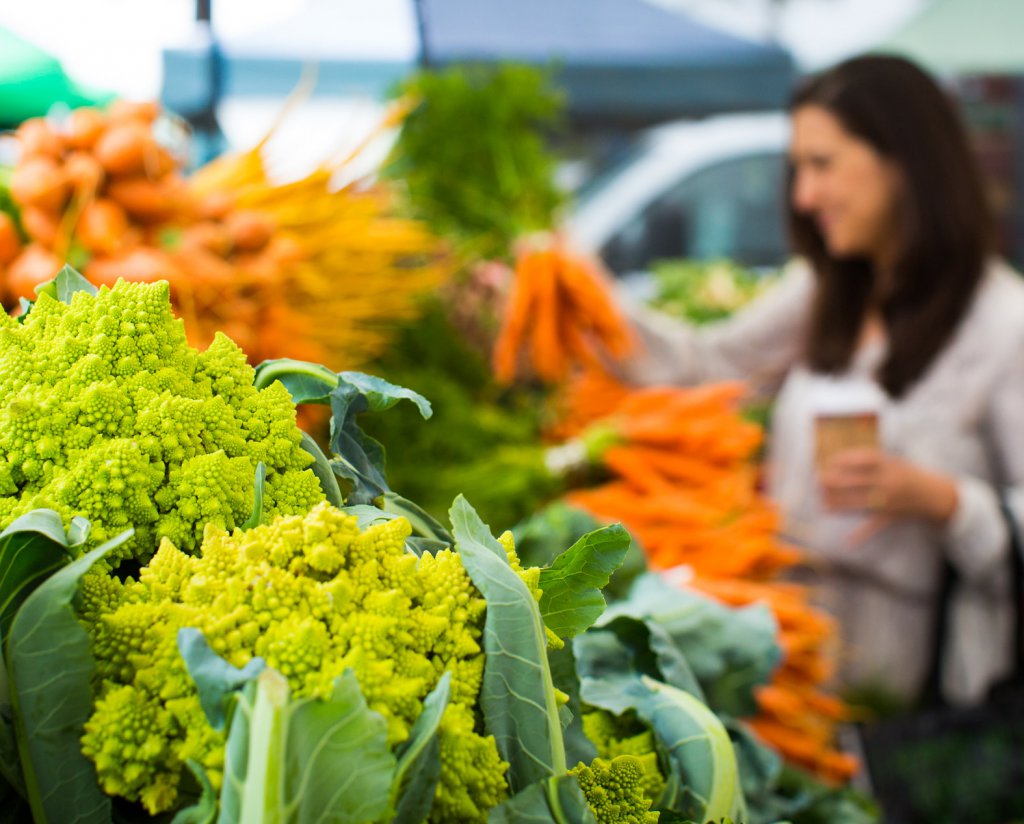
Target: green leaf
column 557, row 800
column 204, row 811
column 610, row 659
column 381, row 394
column 563, row 674
column 699, row 748
column 306, row 382
column 419, row 759
column 517, row 696
column 64, row 286
column 423, row 524
column 731, row 651
column 357, row 457
column 572, row 599
column 322, row 469
column 305, row 761
column 216, row 680
column 31, row 548
column 528, row 806
column 258, row 487
column 50, row 666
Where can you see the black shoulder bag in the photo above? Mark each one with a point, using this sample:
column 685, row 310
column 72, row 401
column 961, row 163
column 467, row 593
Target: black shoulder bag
column 949, row 764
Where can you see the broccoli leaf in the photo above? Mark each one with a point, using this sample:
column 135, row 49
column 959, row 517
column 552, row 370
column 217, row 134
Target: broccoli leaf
column 204, row 811
column 357, row 457
column 419, row 759
column 306, row 382
column 424, row 525
column 32, row 548
column 517, row 696
column 730, row 651
column 610, row 659
column 699, row 749
column 557, row 800
column 64, row 286
column 215, row 679
column 563, row 674
column 305, row 761
column 259, row 485
column 322, row 469
column 50, row 667
column 572, row 599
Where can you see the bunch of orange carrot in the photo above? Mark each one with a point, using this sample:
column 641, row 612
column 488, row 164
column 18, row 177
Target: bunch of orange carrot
column 685, row 484
column 304, row 269
column 559, row 315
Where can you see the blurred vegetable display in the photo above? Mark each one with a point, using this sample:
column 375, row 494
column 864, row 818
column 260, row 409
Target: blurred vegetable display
column 703, row 292
column 305, row 269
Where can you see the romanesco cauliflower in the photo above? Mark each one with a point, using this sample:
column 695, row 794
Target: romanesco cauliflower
column 614, row 735
column 107, row 413
column 614, row 791
column 313, row 596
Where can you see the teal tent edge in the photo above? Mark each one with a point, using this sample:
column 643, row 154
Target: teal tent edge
column 963, row 37
column 33, row 81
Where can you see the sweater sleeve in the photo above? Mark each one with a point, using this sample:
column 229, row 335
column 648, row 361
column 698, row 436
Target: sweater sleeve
column 759, row 344
column 977, row 535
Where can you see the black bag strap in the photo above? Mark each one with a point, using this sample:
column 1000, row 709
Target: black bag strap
column 931, row 693
column 1017, row 583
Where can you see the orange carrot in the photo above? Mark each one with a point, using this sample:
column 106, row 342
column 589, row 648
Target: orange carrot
column 39, row 181
column 102, row 227
column 10, row 242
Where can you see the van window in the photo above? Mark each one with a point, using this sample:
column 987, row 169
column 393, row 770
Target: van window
column 732, row 209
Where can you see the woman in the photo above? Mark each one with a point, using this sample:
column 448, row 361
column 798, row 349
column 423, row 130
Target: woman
column 895, row 308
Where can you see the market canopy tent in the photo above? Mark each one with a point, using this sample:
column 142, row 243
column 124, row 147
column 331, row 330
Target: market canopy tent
column 964, row 37
column 625, row 59
column 31, row 81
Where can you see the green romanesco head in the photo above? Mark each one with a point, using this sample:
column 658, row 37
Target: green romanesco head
column 614, row 790
column 312, row 595
column 615, row 735
column 108, row 413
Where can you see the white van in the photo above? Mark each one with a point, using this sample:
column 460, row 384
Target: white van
column 703, row 190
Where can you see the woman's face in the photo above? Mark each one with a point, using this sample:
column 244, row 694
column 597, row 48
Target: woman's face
column 847, row 188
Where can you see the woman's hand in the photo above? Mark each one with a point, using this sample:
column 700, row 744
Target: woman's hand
column 890, row 487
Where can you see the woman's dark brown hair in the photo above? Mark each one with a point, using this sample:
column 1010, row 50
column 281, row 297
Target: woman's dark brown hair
column 946, row 226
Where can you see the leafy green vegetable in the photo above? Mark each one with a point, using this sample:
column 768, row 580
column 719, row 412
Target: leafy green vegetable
column 216, row 680
column 517, row 696
column 31, row 548
column 65, row 285
column 491, row 125
column 419, row 759
column 702, row 292
column 258, row 487
column 50, row 666
column 572, row 599
column 204, row 811
column 305, row 761
column 730, row 651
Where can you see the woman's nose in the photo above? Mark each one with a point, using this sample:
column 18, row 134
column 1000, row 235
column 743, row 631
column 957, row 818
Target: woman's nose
column 805, row 193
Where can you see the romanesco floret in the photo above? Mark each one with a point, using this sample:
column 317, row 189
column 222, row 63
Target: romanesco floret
column 615, row 735
column 107, row 413
column 312, row 595
column 613, row 790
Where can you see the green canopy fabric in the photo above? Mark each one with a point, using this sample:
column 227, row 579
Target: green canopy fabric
column 964, row 37
column 31, row 81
